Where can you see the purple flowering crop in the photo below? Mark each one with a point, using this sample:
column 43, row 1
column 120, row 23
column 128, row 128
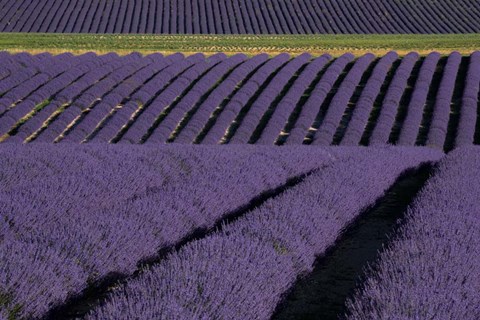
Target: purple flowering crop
column 240, row 17
column 287, row 104
column 241, row 98
column 74, row 214
column 364, row 106
column 218, row 99
column 392, row 99
column 266, row 97
column 431, row 269
column 411, row 124
column 336, row 110
column 318, row 95
column 468, row 111
column 242, row 271
column 441, row 110
column 199, row 119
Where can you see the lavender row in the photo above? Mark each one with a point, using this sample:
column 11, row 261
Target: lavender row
column 86, row 63
column 220, row 94
column 33, row 66
column 69, row 93
column 103, row 110
column 243, row 271
column 175, row 65
column 22, row 99
column 339, row 103
column 62, row 228
column 266, row 98
column 20, row 89
column 10, row 63
column 441, row 110
column 158, row 106
column 431, row 268
column 83, row 104
column 391, row 101
column 285, row 107
column 131, row 110
column 220, row 99
column 468, row 111
column 241, row 98
column 311, row 108
column 365, row 103
column 240, row 17
column 169, row 124
column 411, row 124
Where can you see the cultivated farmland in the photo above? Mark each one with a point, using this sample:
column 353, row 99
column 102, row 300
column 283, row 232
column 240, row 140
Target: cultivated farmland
column 241, row 17
column 55, row 246
column 441, row 235
column 263, row 100
column 239, row 159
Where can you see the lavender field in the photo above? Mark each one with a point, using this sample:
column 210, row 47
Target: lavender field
column 208, row 232
column 279, row 100
column 240, row 160
column 241, row 17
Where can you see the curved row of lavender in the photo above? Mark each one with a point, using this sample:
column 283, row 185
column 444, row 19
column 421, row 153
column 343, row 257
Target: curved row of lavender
column 340, row 100
column 431, row 270
column 73, row 215
column 240, row 17
column 280, row 100
column 413, row 120
column 242, row 271
column 469, row 110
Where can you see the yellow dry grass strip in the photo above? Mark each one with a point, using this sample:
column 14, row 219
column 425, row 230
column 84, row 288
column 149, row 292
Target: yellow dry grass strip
column 334, row 53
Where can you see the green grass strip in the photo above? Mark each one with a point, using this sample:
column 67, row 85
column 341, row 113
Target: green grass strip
column 230, row 44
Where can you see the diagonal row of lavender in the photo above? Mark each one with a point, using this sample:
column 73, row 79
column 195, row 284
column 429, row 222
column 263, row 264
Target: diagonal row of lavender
column 135, row 99
column 242, row 271
column 60, row 91
column 432, row 268
column 72, row 215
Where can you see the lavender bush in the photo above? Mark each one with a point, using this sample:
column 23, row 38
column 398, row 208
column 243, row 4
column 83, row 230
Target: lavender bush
column 286, row 106
column 311, row 108
column 173, row 66
column 441, row 109
column 364, row 106
column 337, row 107
column 72, row 215
column 431, row 269
column 219, row 94
column 241, row 98
column 468, row 111
column 391, row 101
column 242, row 271
column 413, row 120
column 266, row 98
column 172, row 120
column 147, row 118
column 104, row 109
